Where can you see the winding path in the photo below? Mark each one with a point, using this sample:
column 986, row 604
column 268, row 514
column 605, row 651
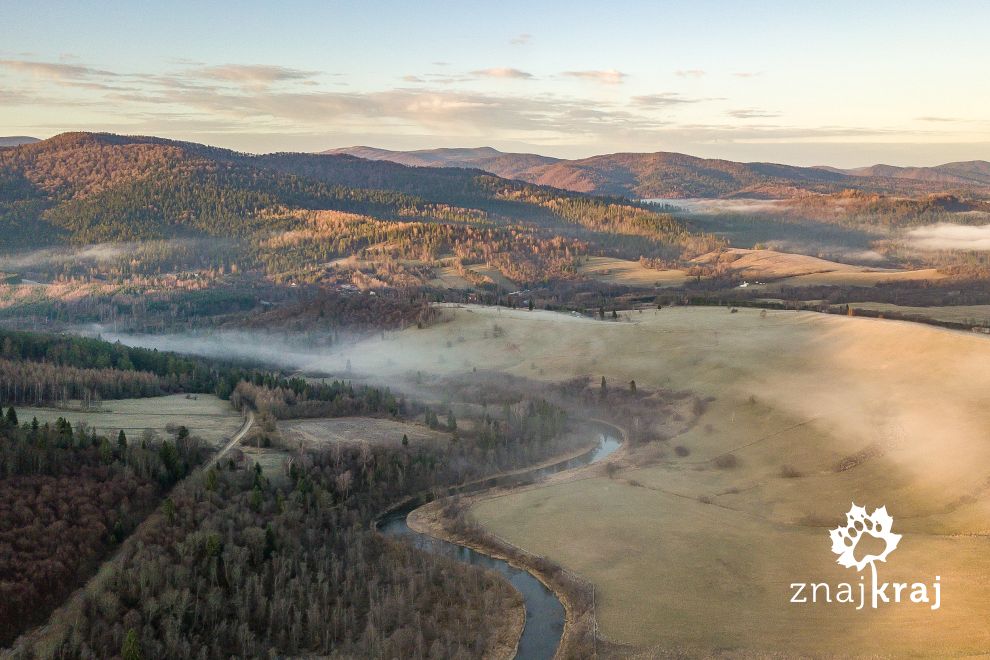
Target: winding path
column 248, row 423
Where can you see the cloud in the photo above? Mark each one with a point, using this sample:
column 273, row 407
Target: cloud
column 939, row 119
column 747, row 74
column 69, row 75
column 950, row 237
column 606, row 77
column 521, row 39
column 56, row 70
column 265, row 101
column 690, row 73
column 16, row 97
column 251, row 75
column 663, row 100
column 503, row 72
column 752, row 113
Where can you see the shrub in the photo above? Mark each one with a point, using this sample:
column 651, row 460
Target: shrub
column 789, row 472
column 726, row 461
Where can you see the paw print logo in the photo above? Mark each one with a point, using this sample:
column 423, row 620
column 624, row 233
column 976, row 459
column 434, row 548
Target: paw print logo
column 858, row 524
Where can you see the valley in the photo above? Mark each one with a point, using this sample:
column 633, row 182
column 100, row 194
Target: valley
column 291, row 345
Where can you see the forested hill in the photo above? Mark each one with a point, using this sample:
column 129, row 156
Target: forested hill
column 673, row 175
column 87, row 188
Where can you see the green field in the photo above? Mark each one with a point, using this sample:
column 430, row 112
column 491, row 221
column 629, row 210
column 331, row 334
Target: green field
column 205, row 416
column 317, row 432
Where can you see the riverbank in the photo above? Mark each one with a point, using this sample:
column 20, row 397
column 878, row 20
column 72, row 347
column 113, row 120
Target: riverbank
column 578, row 638
column 427, row 520
column 572, row 593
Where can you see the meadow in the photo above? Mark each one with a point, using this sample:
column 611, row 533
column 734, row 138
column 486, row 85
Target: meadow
column 694, row 551
column 319, row 432
column 203, row 414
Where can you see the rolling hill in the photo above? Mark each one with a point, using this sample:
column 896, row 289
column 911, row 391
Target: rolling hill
column 94, row 187
column 966, row 173
column 673, row 175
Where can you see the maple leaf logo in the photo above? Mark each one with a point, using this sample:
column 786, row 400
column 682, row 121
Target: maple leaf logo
column 845, row 539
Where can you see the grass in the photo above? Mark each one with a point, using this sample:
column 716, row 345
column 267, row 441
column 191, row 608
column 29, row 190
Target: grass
column 629, row 273
column 969, row 314
column 206, row 416
column 316, row 432
column 799, row 269
column 686, row 555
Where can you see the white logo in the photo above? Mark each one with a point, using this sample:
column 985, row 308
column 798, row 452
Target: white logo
column 845, row 541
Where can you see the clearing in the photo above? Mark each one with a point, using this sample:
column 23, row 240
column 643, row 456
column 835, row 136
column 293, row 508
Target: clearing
column 315, row 432
column 206, row 416
column 629, row 273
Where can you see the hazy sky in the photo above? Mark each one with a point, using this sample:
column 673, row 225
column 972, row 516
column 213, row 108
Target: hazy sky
column 841, row 83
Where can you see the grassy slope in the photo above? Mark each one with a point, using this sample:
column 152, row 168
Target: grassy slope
column 700, row 576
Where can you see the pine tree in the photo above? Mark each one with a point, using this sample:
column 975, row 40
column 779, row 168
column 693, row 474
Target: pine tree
column 12, row 416
column 121, row 440
column 131, row 649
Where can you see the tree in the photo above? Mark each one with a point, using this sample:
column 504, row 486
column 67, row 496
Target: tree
column 169, row 508
column 615, row 315
column 451, row 421
column 531, row 305
column 603, row 385
column 12, row 416
column 106, row 451
column 632, row 386
column 131, row 650
column 270, row 545
column 405, row 440
column 121, row 440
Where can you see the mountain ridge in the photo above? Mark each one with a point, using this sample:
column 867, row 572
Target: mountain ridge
column 17, row 140
column 675, row 175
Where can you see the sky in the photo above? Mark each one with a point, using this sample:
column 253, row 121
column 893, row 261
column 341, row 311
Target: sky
column 808, row 83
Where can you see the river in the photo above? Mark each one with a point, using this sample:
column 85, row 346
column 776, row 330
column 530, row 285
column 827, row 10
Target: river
column 544, row 611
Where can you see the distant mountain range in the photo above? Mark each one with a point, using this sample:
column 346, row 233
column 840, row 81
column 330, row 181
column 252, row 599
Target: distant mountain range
column 673, row 175
column 16, row 140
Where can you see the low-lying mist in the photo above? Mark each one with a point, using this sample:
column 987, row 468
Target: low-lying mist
column 351, row 356
column 49, row 256
column 701, row 205
column 950, row 237
column 108, row 253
